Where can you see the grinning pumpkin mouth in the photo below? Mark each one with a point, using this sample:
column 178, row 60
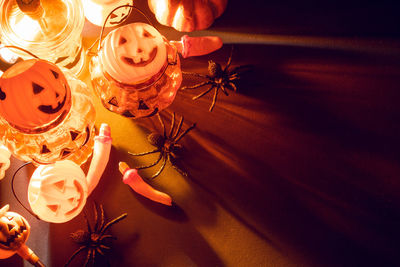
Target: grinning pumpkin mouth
column 15, row 238
column 49, row 108
column 142, row 62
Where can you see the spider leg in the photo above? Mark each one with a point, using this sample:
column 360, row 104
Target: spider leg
column 79, row 250
column 152, row 164
column 195, row 74
column 88, row 257
column 96, row 225
column 184, row 133
column 203, row 93
column 214, row 100
column 172, row 125
column 107, row 236
column 241, row 68
column 178, row 129
column 105, row 247
column 229, row 60
column 99, row 251
column 196, row 85
column 160, row 170
column 231, row 84
column 101, row 218
column 93, row 258
column 145, row 153
column 176, row 168
column 162, row 123
column 234, row 77
column 109, row 224
column 224, row 90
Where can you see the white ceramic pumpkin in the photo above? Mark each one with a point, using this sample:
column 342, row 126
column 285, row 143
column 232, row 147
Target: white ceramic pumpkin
column 57, row 192
column 133, row 53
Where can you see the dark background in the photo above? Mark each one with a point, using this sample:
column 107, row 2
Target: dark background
column 300, row 167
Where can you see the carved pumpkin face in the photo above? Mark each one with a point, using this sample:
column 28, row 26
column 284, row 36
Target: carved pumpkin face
column 133, row 53
column 96, row 11
column 14, row 231
column 57, row 192
column 33, row 93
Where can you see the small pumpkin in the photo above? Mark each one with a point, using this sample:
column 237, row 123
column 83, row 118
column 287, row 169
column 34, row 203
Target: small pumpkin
column 57, row 192
column 33, row 94
column 137, row 72
column 133, row 53
column 187, row 15
column 14, row 231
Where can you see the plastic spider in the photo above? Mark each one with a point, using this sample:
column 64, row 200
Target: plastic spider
column 166, row 145
column 94, row 240
column 218, row 78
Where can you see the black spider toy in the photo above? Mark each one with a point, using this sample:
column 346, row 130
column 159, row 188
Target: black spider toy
column 94, row 240
column 166, row 145
column 218, row 78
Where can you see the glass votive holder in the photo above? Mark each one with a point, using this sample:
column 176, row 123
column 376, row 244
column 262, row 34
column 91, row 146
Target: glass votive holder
column 136, row 72
column 46, row 114
column 53, row 32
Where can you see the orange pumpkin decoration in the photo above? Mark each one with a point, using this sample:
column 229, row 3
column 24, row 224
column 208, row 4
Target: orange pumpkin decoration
column 14, row 231
column 34, row 95
column 187, row 15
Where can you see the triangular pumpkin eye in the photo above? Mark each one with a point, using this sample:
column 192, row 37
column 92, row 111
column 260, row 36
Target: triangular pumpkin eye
column 122, row 40
column 55, row 74
column 44, row 149
column 60, row 185
column 53, row 208
column 113, row 101
column 10, row 226
column 142, row 105
column 37, row 88
column 74, row 134
column 147, row 34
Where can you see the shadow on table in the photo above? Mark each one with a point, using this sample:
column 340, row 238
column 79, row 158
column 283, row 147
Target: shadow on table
column 305, row 152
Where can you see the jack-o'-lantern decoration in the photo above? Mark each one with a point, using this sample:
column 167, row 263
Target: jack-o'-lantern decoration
column 33, row 94
column 46, row 114
column 57, row 192
column 14, row 231
column 137, row 71
column 187, row 15
column 96, row 11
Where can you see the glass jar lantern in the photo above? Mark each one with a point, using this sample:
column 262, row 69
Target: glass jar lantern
column 46, row 114
column 51, row 29
column 136, row 71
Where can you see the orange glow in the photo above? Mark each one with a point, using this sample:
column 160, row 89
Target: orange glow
column 26, row 27
column 178, row 18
